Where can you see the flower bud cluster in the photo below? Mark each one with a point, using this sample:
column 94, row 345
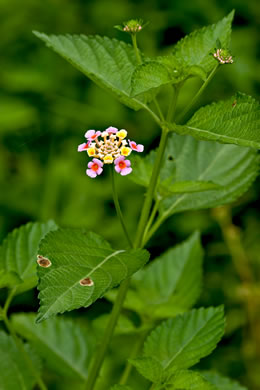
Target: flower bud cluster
column 108, row 147
column 223, row 56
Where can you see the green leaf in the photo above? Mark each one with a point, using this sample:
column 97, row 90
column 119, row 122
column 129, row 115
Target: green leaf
column 65, row 345
column 196, row 48
column 182, row 341
column 170, row 284
column 148, row 76
column 15, row 373
column 221, row 382
column 121, row 387
column 183, row 187
column 161, row 71
column 83, row 267
column 150, row 368
column 18, row 255
column 142, row 168
column 108, row 62
column 234, row 121
column 233, row 167
column 189, row 380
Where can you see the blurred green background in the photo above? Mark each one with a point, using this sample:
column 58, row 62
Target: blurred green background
column 46, row 106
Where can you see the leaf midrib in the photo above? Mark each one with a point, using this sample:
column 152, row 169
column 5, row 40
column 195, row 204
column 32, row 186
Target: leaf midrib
column 188, row 341
column 76, row 283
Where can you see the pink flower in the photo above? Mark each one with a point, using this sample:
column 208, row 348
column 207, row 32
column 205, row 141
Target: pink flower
column 95, row 168
column 137, row 148
column 122, row 166
column 84, row 146
column 91, row 135
column 111, row 130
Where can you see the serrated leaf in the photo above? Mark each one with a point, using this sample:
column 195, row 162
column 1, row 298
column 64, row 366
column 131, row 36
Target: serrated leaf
column 196, row 48
column 161, row 71
column 83, row 267
column 108, row 62
column 182, row 341
column 18, row 253
column 189, row 380
column 150, row 368
column 65, row 345
column 233, row 167
column 234, row 121
column 15, row 373
column 170, row 284
column 221, row 382
column 148, row 76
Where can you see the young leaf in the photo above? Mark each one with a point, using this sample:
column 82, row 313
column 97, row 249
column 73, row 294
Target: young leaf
column 108, row 62
column 161, row 71
column 233, row 167
column 65, row 345
column 148, row 76
column 196, row 48
column 17, row 255
column 221, row 382
column 182, row 341
column 82, row 267
column 150, row 368
column 234, row 121
column 170, row 284
column 189, row 380
column 15, row 374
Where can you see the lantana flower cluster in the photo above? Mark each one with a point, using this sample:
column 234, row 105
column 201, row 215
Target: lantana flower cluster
column 223, row 56
column 109, row 147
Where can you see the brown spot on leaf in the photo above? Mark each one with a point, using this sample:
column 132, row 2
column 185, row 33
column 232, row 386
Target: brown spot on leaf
column 86, row 282
column 43, row 261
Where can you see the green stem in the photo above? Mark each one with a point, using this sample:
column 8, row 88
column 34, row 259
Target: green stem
column 153, row 229
column 135, row 350
column 118, row 208
column 151, row 189
column 122, row 291
column 139, row 61
column 151, row 219
column 98, row 360
column 137, row 54
column 190, row 106
column 173, row 102
column 19, row 343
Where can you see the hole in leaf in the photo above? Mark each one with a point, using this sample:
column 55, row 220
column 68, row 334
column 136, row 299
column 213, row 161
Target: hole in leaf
column 170, row 158
column 43, row 261
column 86, row 282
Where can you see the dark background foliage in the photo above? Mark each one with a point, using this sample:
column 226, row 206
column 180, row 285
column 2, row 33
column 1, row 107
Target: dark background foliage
column 45, row 108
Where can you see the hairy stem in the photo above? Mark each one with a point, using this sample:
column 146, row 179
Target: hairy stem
column 190, row 106
column 118, row 208
column 99, row 358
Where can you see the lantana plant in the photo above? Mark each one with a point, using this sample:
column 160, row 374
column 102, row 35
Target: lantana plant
column 203, row 160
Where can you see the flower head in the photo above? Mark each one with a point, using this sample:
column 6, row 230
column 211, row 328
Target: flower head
column 95, row 168
column 223, row 56
column 132, row 26
column 108, row 147
column 123, row 166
